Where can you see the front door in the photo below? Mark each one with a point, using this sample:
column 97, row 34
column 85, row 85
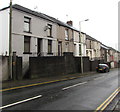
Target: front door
column 39, row 46
column 59, row 48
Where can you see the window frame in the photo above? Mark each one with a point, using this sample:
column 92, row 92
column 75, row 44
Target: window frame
column 27, row 41
column 49, row 30
column 27, row 22
column 66, row 34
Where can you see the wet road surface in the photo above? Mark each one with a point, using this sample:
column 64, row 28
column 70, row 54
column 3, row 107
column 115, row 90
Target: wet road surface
column 86, row 93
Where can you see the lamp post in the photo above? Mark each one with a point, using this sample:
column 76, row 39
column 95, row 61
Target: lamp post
column 10, row 40
column 81, row 45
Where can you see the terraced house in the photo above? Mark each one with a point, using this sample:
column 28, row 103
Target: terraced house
column 33, row 33
column 36, row 34
column 93, row 48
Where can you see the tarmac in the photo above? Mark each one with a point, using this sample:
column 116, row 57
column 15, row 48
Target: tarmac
column 45, row 80
column 16, row 83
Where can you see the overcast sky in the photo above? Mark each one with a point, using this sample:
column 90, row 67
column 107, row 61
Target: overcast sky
column 102, row 15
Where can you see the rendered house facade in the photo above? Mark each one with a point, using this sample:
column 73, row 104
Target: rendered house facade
column 93, row 48
column 33, row 34
column 36, row 34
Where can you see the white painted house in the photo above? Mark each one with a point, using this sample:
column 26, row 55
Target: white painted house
column 79, row 44
column 76, row 44
column 33, row 33
column 83, row 43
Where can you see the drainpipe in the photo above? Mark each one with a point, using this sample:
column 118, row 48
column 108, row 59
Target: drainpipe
column 10, row 41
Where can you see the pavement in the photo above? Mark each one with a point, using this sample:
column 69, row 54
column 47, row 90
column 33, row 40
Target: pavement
column 117, row 107
column 16, row 83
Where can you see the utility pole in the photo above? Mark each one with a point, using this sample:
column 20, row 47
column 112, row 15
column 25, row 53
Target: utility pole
column 10, row 41
column 81, row 60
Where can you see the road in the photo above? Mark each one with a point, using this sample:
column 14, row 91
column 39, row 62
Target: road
column 86, row 93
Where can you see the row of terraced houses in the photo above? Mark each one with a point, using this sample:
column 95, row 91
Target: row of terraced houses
column 36, row 34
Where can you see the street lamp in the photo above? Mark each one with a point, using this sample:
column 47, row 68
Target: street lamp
column 81, row 44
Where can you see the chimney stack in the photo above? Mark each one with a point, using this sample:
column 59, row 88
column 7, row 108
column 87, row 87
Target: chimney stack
column 70, row 23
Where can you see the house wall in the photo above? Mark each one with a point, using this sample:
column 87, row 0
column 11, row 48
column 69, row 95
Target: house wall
column 97, row 49
column 93, row 49
column 76, row 37
column 67, row 45
column 4, row 32
column 76, row 43
column 37, row 31
column 76, row 49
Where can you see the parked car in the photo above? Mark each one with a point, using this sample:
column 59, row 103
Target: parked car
column 102, row 68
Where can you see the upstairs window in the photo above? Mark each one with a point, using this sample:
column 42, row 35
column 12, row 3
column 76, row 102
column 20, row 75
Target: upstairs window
column 66, row 34
column 49, row 30
column 27, row 24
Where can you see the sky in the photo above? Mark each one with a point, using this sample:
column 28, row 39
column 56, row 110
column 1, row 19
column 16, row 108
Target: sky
column 102, row 15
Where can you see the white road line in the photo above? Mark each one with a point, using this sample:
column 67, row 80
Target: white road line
column 74, row 85
column 99, row 78
column 16, row 103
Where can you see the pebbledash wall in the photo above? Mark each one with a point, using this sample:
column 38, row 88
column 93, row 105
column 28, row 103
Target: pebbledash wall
column 59, row 65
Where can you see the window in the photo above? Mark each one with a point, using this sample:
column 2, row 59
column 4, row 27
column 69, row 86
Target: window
column 49, row 46
column 66, row 34
column 26, row 44
column 49, row 30
column 87, row 52
column 27, row 24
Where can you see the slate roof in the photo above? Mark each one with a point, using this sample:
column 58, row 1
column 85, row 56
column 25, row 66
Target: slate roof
column 49, row 18
column 41, row 15
column 91, row 38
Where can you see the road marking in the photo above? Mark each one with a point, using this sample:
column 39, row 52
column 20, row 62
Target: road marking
column 30, row 85
column 19, row 102
column 108, row 100
column 74, row 85
column 98, row 78
column 72, row 77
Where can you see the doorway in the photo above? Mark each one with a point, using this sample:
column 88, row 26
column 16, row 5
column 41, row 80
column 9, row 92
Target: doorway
column 39, row 46
column 59, row 48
